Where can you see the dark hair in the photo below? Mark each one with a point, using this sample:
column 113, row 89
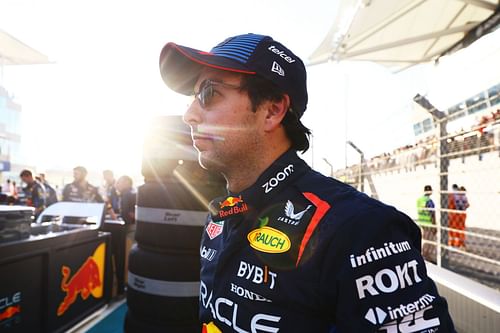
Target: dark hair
column 80, row 169
column 260, row 90
column 127, row 179
column 25, row 173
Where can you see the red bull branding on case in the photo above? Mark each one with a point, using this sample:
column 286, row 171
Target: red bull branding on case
column 10, row 306
column 88, row 280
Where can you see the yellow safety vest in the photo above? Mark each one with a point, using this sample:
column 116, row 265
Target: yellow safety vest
column 424, row 215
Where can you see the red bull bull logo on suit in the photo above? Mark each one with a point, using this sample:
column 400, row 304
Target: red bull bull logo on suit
column 232, row 206
column 86, row 281
column 230, row 202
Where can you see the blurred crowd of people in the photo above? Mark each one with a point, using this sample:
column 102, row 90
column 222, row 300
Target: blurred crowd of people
column 119, row 196
column 482, row 138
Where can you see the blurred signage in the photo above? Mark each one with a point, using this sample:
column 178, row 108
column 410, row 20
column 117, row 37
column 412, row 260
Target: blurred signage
column 4, row 165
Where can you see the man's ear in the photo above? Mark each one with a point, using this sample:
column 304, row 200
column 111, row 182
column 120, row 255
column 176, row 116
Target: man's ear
column 275, row 112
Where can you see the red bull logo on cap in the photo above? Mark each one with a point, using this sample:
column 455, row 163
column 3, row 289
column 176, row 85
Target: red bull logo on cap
column 88, row 280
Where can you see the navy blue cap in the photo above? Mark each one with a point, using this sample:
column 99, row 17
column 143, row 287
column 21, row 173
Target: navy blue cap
column 251, row 54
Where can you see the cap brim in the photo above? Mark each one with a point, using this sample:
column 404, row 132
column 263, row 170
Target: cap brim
column 180, row 66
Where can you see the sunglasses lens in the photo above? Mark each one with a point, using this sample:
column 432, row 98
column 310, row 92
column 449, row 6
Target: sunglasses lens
column 206, row 94
column 206, row 91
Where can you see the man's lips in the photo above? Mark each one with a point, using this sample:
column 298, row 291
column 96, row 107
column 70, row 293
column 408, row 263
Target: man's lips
column 201, row 136
column 205, row 136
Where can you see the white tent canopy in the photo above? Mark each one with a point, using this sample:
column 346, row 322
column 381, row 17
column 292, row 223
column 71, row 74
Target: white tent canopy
column 15, row 52
column 402, row 33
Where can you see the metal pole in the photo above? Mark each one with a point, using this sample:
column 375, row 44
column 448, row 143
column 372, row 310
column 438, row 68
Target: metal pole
column 1, row 70
column 331, row 166
column 443, row 161
column 312, row 151
column 361, row 179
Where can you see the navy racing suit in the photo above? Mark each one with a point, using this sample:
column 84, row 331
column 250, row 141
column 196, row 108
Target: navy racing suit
column 301, row 252
column 76, row 192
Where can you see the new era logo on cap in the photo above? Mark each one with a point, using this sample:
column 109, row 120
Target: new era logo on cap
column 277, row 69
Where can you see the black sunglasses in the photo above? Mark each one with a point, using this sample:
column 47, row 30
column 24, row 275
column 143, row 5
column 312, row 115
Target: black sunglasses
column 207, row 92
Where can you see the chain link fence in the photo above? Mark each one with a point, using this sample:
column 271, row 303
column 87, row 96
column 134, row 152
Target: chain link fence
column 463, row 169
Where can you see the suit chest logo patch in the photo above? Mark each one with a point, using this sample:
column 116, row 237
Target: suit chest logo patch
column 291, row 217
column 269, row 240
column 214, row 229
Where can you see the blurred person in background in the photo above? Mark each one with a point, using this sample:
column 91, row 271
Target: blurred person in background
column 14, row 191
column 10, row 192
column 462, row 205
column 454, row 216
column 34, row 192
column 8, row 187
column 80, row 190
column 110, row 194
column 49, row 190
column 127, row 199
column 427, row 220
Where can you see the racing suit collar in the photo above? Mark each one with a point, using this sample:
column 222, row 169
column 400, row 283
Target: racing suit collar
column 274, row 179
column 282, row 172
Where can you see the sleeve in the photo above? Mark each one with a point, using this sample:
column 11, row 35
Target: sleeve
column 97, row 195
column 128, row 207
column 375, row 279
column 65, row 193
column 38, row 197
column 429, row 204
column 53, row 195
column 432, row 211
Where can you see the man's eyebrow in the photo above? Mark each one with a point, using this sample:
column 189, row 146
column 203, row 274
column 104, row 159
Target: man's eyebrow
column 216, row 80
column 196, row 87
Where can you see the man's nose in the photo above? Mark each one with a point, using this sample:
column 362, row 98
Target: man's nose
column 192, row 114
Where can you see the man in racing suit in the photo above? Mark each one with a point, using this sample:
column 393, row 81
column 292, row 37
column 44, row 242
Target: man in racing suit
column 80, row 190
column 290, row 250
column 34, row 192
